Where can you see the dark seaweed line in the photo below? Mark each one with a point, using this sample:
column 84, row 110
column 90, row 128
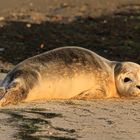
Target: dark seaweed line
column 28, row 126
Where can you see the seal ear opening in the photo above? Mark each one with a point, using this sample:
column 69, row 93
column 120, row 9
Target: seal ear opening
column 118, row 69
column 2, row 92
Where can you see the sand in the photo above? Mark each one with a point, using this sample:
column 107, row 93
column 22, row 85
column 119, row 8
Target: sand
column 72, row 119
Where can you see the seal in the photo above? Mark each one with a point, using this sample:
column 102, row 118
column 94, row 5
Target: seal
column 70, row 73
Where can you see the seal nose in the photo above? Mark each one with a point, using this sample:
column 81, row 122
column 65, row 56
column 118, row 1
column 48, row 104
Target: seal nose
column 138, row 86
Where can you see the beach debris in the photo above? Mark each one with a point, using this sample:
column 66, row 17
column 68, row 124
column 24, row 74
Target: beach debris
column 41, row 46
column 28, row 25
column 2, row 49
column 2, row 18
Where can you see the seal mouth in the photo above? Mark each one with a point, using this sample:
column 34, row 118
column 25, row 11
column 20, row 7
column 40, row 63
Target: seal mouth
column 130, row 95
column 2, row 92
column 133, row 95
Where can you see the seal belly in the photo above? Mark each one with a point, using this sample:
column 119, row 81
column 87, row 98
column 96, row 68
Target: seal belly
column 63, row 88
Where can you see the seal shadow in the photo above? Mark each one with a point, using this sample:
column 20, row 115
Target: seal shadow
column 34, row 124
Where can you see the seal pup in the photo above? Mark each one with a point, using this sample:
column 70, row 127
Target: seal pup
column 70, row 73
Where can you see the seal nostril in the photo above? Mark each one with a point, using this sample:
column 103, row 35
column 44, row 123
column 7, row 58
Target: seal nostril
column 138, row 87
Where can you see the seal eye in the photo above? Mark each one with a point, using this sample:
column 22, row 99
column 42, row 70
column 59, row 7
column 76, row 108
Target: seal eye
column 126, row 79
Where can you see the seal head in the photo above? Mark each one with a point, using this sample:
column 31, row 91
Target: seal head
column 127, row 78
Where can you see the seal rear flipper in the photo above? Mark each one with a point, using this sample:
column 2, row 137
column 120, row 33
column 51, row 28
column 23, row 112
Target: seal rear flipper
column 13, row 95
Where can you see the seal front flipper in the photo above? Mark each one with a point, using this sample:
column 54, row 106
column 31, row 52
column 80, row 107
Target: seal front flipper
column 90, row 94
column 13, row 95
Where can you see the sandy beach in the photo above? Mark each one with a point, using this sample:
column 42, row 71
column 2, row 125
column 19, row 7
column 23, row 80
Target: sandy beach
column 70, row 120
